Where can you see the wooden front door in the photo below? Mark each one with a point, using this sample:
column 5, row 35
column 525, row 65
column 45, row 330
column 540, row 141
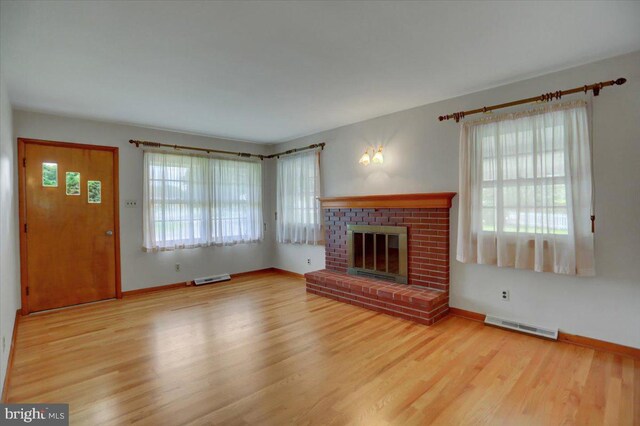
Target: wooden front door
column 69, row 219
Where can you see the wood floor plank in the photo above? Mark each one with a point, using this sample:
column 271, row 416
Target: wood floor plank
column 260, row 350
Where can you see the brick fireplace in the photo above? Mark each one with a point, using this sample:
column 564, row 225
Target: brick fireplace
column 425, row 217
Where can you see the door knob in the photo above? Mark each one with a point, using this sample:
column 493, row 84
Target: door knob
column 109, row 233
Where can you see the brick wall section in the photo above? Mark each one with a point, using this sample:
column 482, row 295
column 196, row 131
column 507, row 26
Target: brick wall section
column 428, row 240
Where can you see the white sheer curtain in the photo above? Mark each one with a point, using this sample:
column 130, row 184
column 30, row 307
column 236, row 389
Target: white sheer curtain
column 236, row 195
column 526, row 191
column 195, row 201
column 298, row 189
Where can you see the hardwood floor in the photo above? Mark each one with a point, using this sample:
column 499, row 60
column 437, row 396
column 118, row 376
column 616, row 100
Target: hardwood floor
column 259, row 350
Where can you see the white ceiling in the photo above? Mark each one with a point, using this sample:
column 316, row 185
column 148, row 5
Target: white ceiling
column 272, row 71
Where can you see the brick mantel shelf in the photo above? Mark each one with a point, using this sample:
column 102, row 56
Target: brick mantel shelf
column 433, row 200
column 425, row 297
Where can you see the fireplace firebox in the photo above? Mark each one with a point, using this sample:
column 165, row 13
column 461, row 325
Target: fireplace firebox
column 377, row 252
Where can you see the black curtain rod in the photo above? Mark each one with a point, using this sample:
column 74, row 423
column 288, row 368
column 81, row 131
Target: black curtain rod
column 151, row 144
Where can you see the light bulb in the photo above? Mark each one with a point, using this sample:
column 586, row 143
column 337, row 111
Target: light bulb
column 365, row 159
column 378, row 158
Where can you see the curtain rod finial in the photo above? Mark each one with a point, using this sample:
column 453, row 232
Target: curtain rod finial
column 621, row 81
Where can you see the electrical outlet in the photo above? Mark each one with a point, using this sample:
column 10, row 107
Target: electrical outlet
column 505, row 295
column 177, row 267
column 308, row 261
column 131, row 203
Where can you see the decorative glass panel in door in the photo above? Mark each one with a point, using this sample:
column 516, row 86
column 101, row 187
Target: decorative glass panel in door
column 73, row 183
column 94, row 191
column 50, row 174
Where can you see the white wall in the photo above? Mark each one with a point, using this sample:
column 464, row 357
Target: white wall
column 140, row 269
column 9, row 244
column 421, row 155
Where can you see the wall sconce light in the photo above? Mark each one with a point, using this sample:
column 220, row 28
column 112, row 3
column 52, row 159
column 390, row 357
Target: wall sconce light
column 378, row 158
column 365, row 159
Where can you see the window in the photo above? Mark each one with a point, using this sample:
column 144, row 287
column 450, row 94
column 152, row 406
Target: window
column 525, row 191
column 532, row 188
column 94, row 191
column 299, row 214
column 236, row 212
column 73, row 183
column 50, row 174
column 194, row 201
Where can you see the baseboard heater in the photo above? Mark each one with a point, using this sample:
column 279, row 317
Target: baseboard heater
column 524, row 328
column 212, row 279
